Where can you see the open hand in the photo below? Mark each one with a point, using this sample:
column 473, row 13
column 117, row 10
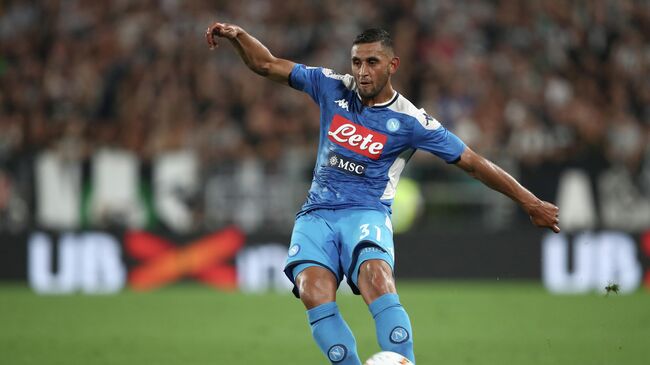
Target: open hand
column 544, row 214
column 224, row 30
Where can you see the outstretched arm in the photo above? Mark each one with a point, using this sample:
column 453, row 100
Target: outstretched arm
column 542, row 214
column 256, row 56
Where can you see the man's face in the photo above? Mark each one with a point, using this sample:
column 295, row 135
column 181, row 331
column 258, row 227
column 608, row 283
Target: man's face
column 372, row 65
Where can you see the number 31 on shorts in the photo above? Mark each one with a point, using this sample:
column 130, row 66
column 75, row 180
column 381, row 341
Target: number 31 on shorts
column 365, row 232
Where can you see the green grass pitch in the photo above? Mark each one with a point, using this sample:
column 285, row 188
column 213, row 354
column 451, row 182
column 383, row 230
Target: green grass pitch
column 454, row 323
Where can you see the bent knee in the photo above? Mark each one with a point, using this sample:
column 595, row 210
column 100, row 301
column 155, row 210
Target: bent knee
column 313, row 297
column 316, row 286
column 376, row 278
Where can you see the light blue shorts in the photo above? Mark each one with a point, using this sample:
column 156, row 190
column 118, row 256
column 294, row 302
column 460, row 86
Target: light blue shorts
column 340, row 240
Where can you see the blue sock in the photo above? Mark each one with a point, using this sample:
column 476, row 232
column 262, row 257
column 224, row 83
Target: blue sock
column 393, row 325
column 333, row 335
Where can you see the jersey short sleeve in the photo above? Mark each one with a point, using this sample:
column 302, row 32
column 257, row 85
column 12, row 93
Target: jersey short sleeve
column 306, row 79
column 318, row 82
column 436, row 139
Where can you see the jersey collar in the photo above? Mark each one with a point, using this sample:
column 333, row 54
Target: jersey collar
column 384, row 104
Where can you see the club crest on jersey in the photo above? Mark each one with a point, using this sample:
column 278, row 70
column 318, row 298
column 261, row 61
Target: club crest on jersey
column 345, row 164
column 392, row 124
column 356, row 138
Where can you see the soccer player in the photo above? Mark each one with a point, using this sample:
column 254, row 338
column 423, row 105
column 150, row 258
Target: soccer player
column 368, row 132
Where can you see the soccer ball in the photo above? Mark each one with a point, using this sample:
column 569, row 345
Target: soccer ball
column 387, row 358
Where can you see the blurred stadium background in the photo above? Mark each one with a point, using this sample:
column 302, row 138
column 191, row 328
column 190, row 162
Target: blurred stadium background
column 132, row 158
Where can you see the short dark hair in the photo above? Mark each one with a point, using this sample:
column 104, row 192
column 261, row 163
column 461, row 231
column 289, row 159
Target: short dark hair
column 373, row 35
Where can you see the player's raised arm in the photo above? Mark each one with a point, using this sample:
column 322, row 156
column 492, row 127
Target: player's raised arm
column 542, row 214
column 256, row 56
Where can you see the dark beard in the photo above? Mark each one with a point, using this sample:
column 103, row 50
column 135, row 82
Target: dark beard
column 370, row 95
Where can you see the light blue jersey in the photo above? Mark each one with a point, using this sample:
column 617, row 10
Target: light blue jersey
column 363, row 150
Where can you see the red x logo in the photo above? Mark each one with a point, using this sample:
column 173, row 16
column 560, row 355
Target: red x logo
column 205, row 259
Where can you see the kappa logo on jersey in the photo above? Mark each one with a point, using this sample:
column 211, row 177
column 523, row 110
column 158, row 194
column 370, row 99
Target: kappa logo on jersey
column 429, row 119
column 356, row 138
column 429, row 122
column 345, row 164
column 343, row 104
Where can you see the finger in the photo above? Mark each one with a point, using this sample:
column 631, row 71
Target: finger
column 556, row 228
column 551, row 205
column 214, row 31
column 209, row 38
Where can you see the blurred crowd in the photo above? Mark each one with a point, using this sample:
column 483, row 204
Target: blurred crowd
column 536, row 82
